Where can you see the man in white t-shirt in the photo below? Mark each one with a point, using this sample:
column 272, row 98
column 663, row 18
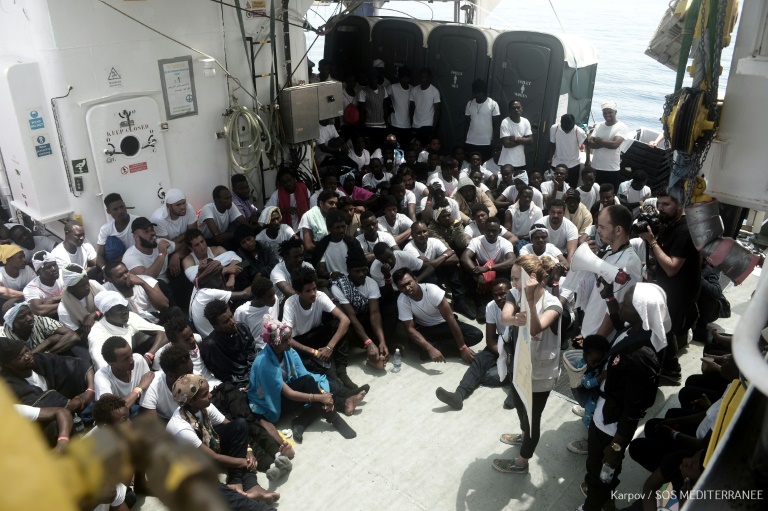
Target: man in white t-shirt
column 396, row 224
column 372, row 235
column 115, row 237
column 127, row 374
column 555, row 189
column 327, row 133
column 217, row 218
column 179, row 333
column 142, row 292
column 388, row 261
column 481, row 121
column 330, row 254
column 172, row 221
column 565, row 141
column 148, row 256
column 485, row 257
column 589, row 191
column 119, row 321
column 562, row 233
column 318, row 328
column 400, row 95
column 263, row 302
column 157, row 400
column 515, row 133
column 43, row 293
column 210, row 286
column 521, row 215
column 359, row 299
column 14, row 274
column 74, row 249
column 604, row 145
column 483, row 369
column 540, row 246
column 509, row 195
column 30, row 244
column 429, row 320
column 425, row 107
column 634, row 192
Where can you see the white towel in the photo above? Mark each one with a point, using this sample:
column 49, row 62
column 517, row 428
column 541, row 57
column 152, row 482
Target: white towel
column 650, row 302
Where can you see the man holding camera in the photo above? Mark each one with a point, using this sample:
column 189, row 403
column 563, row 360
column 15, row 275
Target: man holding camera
column 678, row 273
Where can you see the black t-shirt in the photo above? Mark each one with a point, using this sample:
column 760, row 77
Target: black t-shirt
column 684, row 287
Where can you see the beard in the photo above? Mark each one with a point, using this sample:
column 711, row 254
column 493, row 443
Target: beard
column 150, row 243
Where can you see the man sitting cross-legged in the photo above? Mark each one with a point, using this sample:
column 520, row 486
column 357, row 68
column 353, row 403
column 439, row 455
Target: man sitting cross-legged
column 144, row 337
column 388, row 261
column 541, row 247
column 445, row 262
column 230, row 349
column 482, row 370
column 330, row 254
column 281, row 386
column 209, row 286
column 359, row 298
column 157, row 400
column 218, row 218
column 14, row 274
column 429, row 320
column 74, row 249
column 484, row 257
column 199, row 423
column 44, row 292
column 142, row 292
column 77, row 309
column 318, row 327
column 39, row 333
column 263, row 302
column 45, row 379
column 179, row 333
column 127, row 374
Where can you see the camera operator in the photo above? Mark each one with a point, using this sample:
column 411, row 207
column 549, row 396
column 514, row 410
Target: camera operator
column 678, row 273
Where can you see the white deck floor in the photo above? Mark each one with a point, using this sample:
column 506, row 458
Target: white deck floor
column 414, row 453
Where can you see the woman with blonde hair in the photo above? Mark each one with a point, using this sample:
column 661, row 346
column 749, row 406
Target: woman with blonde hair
column 544, row 316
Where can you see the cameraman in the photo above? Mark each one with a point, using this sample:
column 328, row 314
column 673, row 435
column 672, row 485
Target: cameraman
column 678, row 273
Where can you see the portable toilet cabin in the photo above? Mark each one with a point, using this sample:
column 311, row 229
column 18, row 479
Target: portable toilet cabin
column 550, row 76
column 457, row 55
column 348, row 45
column 401, row 42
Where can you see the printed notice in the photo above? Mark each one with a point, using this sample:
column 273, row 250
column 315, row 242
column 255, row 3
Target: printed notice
column 178, row 87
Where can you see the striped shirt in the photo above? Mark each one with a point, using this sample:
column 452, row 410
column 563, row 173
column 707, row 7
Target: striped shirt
column 43, row 328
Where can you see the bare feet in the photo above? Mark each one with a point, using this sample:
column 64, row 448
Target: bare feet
column 351, row 403
column 721, row 338
column 259, row 493
column 238, row 488
column 286, row 449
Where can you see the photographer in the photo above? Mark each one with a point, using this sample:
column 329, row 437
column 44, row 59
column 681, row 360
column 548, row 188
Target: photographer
column 678, row 273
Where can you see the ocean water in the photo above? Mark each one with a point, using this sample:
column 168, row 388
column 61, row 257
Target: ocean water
column 619, row 29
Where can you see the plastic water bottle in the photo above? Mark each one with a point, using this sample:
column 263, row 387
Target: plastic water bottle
column 77, row 424
column 397, row 360
column 606, row 474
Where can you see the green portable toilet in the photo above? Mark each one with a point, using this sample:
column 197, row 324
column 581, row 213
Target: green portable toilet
column 401, row 42
column 348, row 45
column 550, row 76
column 457, row 55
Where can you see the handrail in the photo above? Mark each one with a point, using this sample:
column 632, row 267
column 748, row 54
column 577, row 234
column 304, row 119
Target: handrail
column 745, row 338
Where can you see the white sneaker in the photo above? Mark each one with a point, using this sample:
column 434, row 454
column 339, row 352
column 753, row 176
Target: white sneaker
column 578, row 410
column 578, row 446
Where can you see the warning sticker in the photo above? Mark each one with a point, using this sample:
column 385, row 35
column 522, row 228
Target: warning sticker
column 114, row 78
column 42, row 145
column 36, row 121
column 137, row 167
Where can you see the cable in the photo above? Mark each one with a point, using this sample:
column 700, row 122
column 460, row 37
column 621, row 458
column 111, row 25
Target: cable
column 245, row 149
column 305, row 26
column 395, row 10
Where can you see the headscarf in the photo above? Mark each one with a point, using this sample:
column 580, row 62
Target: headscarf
column 266, row 214
column 274, row 332
column 9, row 349
column 537, row 228
column 76, row 310
column 173, row 196
column 185, row 388
column 436, row 211
column 47, row 258
column 650, row 302
column 523, row 176
column 8, row 251
column 10, row 314
column 105, row 300
column 610, row 105
column 71, row 277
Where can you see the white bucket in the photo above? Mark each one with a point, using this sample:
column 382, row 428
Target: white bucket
column 570, row 359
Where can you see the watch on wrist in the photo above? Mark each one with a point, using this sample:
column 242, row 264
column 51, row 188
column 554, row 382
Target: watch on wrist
column 616, row 447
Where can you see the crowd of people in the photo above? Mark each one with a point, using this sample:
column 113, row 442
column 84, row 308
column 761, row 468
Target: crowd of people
column 223, row 322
